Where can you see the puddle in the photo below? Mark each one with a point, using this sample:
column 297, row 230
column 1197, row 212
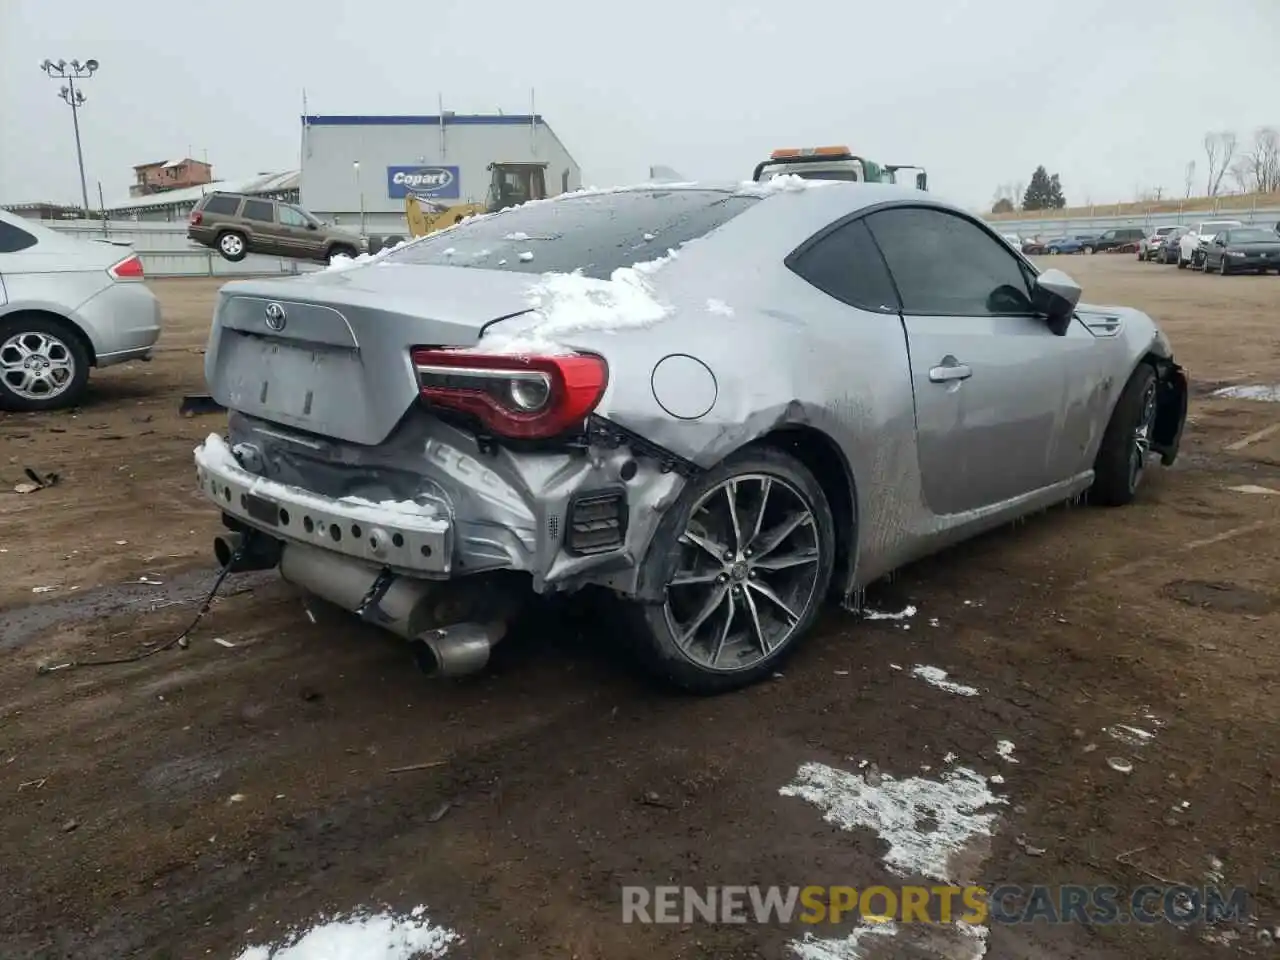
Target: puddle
column 21, row 625
column 1220, row 596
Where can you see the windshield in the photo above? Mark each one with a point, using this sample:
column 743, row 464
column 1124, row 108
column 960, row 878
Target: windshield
column 808, row 173
column 1250, row 235
column 593, row 233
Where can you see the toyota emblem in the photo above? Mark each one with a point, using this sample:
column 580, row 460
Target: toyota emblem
column 275, row 316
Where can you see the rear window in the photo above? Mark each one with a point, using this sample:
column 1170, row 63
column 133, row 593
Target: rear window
column 596, row 233
column 221, row 204
column 13, row 239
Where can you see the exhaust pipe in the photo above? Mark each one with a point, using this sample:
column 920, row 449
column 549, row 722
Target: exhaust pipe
column 408, row 608
column 457, row 650
column 257, row 551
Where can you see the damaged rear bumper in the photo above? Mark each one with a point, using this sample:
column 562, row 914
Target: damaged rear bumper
column 431, row 502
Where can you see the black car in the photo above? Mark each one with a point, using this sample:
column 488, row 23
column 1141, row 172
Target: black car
column 1243, row 249
column 1167, row 252
column 1111, row 239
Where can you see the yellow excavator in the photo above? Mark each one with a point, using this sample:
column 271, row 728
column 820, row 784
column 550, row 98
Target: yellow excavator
column 510, row 184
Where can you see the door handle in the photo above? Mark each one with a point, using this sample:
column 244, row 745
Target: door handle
column 950, row 369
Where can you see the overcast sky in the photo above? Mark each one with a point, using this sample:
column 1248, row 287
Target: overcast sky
column 1112, row 96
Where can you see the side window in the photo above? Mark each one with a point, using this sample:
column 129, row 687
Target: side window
column 290, row 217
column 263, row 210
column 13, row 239
column 845, row 264
column 944, row 265
column 223, row 205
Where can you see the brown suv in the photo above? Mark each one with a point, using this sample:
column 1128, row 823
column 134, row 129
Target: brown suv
column 237, row 225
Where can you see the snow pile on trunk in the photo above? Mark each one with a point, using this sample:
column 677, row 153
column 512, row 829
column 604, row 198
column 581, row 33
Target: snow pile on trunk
column 341, row 261
column 567, row 303
column 924, row 822
column 783, row 183
column 378, row 936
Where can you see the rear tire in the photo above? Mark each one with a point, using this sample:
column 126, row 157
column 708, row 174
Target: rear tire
column 232, row 245
column 729, row 619
column 341, row 250
column 1126, row 444
column 43, row 364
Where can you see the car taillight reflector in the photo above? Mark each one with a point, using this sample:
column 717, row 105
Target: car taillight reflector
column 129, row 268
column 196, row 217
column 520, row 397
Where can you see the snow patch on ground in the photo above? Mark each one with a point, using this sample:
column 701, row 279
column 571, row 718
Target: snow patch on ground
column 906, row 613
column 376, row 936
column 1132, row 736
column 1269, row 393
column 937, row 677
column 567, row 303
column 924, row 822
column 719, row 307
column 1004, row 750
column 214, row 455
column 851, row 947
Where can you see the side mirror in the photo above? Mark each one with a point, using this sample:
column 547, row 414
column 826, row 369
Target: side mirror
column 310, row 225
column 1055, row 296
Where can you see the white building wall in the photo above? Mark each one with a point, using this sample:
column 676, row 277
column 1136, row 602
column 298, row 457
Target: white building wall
column 333, row 188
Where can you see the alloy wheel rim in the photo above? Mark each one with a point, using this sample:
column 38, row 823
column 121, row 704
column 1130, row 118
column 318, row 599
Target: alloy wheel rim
column 231, row 244
column 747, row 573
column 36, row 365
column 1140, row 448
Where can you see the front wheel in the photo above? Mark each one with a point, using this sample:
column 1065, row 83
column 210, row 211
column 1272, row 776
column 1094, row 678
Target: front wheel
column 43, row 364
column 1126, row 444
column 1088, row 250
column 745, row 556
column 342, row 250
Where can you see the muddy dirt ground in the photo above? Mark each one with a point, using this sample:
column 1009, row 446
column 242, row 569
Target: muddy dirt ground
column 208, row 798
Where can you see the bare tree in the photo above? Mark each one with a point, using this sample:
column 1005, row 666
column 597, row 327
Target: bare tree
column 1243, row 173
column 1190, row 178
column 1211, row 155
column 1220, row 148
column 1019, row 191
column 1262, row 162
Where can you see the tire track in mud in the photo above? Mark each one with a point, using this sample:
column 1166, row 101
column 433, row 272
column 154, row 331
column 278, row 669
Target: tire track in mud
column 20, row 626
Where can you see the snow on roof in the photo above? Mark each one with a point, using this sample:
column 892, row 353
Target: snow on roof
column 259, row 183
column 174, row 163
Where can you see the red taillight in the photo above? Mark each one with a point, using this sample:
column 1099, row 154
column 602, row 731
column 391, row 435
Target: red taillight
column 128, row 269
column 521, row 397
column 196, row 218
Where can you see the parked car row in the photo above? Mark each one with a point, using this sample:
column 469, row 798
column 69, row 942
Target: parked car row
column 1225, row 246
column 1106, row 241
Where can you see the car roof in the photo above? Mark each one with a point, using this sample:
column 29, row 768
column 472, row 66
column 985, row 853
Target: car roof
column 72, row 250
column 800, row 207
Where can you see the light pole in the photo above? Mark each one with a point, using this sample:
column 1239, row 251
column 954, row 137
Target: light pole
column 355, row 165
column 71, row 72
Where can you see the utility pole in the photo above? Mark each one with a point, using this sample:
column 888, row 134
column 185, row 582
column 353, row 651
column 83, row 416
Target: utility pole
column 71, row 72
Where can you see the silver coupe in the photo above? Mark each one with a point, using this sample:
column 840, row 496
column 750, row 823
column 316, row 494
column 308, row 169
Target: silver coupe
column 723, row 404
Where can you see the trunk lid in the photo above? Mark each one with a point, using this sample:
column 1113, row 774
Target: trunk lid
column 328, row 353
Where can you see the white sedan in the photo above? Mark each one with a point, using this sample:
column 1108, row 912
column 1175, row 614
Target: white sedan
column 66, row 305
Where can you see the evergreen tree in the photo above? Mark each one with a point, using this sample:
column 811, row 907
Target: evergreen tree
column 1044, row 192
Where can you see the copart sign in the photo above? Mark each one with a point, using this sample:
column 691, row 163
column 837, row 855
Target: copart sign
column 442, row 182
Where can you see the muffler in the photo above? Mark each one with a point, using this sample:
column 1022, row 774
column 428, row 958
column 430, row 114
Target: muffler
column 253, row 551
column 413, row 609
